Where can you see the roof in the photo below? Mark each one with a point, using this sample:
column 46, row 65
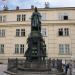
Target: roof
column 40, row 9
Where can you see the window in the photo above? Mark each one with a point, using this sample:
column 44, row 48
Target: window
column 65, row 17
column 19, row 48
column 43, row 31
column 63, row 31
column 18, row 17
column 43, row 16
column 66, row 31
column 64, row 49
column 67, row 49
column 21, row 17
column 3, row 18
column 1, row 48
column 22, row 48
column 2, row 33
column 0, row 18
column 61, row 48
column 20, row 32
column 17, row 32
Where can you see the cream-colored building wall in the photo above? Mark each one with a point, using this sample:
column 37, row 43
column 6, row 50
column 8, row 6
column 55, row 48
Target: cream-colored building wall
column 62, row 40
column 52, row 40
column 73, row 40
column 10, row 40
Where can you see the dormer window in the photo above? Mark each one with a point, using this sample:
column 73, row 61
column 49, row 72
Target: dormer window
column 43, row 16
column 65, row 17
column 2, row 18
column 21, row 17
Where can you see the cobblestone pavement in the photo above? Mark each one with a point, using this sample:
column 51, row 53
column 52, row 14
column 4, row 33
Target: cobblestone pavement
column 2, row 69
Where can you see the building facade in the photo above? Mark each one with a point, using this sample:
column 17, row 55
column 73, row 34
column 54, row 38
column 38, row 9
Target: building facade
column 58, row 30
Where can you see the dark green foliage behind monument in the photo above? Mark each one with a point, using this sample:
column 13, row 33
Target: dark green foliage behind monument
column 36, row 50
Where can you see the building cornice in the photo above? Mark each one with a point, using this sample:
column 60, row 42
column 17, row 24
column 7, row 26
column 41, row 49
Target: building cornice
column 40, row 9
column 28, row 23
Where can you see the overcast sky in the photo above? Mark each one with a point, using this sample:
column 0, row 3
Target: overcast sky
column 25, row 4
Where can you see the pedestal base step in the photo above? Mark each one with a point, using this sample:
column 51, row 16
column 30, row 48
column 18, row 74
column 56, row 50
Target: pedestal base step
column 9, row 72
column 33, row 69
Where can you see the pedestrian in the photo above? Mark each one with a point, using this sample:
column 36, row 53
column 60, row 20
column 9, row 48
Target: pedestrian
column 66, row 68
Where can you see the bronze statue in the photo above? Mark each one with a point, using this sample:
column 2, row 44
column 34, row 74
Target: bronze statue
column 36, row 20
column 36, row 50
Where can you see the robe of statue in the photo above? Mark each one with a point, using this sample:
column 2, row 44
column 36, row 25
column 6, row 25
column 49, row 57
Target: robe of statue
column 36, row 19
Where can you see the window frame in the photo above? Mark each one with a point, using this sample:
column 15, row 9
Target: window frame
column 16, row 48
column 23, row 17
column 43, row 16
column 61, row 16
column 2, row 32
column 64, row 49
column 22, row 32
column 18, row 32
column 65, row 17
column 19, row 48
column 44, row 32
column 65, row 32
column 2, row 48
column 18, row 17
column 0, row 18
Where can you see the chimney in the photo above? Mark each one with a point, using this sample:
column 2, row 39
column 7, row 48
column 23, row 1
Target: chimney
column 17, row 8
column 32, row 6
